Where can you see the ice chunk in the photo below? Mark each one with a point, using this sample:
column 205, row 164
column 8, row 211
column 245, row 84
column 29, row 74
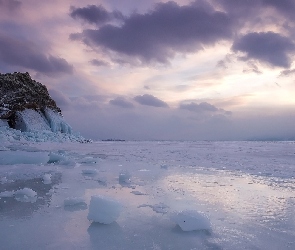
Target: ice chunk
column 22, row 157
column 57, row 122
column 103, row 209
column 25, row 195
column 47, row 179
column 190, row 220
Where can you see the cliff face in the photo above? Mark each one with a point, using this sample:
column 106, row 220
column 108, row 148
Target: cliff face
column 19, row 92
column 27, row 106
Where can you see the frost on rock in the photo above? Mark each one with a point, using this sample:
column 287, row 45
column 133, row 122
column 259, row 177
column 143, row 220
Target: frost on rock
column 57, row 122
column 103, row 209
column 190, row 220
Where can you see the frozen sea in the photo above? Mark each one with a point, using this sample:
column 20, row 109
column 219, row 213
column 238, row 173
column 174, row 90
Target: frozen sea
column 246, row 190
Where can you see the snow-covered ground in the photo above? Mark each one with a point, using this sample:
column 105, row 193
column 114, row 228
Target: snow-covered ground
column 147, row 195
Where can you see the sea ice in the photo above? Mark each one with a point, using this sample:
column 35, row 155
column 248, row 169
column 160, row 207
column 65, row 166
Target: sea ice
column 103, row 209
column 23, row 157
column 190, row 220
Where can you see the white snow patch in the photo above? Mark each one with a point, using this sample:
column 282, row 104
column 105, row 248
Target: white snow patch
column 23, row 157
column 190, row 220
column 103, row 209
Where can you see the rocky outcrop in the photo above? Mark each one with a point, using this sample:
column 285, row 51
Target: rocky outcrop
column 19, row 92
column 27, row 106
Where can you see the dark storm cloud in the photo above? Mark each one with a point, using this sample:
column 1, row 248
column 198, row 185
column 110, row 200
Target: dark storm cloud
column 269, row 47
column 243, row 8
column 95, row 14
column 121, row 102
column 198, row 108
column 26, row 54
column 158, row 34
column 150, row 100
column 9, row 5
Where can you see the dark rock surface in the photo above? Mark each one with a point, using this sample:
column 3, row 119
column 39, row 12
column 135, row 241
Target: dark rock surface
column 19, row 92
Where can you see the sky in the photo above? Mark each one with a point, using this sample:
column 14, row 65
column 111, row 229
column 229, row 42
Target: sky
column 159, row 70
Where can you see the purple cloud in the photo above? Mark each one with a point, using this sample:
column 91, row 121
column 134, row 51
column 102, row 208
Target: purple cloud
column 158, row 34
column 269, row 47
column 9, row 5
column 99, row 63
column 150, row 100
column 202, row 107
column 121, row 102
column 95, row 14
column 26, row 54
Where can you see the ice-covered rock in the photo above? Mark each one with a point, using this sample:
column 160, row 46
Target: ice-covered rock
column 23, row 157
column 103, row 209
column 26, row 105
column 190, row 220
column 19, row 92
column 31, row 120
